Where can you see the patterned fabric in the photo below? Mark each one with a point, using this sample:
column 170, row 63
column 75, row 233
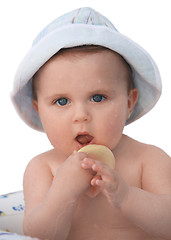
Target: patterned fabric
column 11, row 203
column 85, row 26
column 79, row 16
column 13, row 236
column 11, row 212
column 11, row 215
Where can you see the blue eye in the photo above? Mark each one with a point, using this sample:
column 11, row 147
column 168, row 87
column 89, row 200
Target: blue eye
column 97, row 98
column 62, row 101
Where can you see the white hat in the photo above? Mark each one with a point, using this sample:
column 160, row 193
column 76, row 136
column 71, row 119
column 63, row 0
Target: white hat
column 85, row 26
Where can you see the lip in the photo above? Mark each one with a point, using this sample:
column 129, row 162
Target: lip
column 79, row 145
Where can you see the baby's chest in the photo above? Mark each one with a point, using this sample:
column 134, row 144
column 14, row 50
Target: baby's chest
column 101, row 222
column 98, row 220
column 91, row 216
column 130, row 169
column 99, row 217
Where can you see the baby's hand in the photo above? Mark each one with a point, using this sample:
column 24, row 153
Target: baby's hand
column 108, row 181
column 73, row 176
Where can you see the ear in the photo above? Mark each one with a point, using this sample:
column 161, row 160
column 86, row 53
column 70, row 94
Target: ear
column 132, row 99
column 35, row 105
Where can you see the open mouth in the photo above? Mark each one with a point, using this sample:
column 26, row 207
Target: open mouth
column 84, row 139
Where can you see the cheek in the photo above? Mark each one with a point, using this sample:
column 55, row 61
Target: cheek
column 115, row 126
column 58, row 138
column 52, row 127
column 116, row 117
column 52, row 133
column 112, row 123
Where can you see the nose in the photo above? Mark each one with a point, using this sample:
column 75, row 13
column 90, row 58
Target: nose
column 81, row 114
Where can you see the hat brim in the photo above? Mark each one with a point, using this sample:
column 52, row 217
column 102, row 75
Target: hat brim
column 146, row 75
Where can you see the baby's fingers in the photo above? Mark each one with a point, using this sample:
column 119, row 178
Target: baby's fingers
column 107, row 176
column 95, row 178
column 102, row 169
column 87, row 163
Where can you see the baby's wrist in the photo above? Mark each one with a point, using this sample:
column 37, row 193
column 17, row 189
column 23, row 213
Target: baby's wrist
column 123, row 201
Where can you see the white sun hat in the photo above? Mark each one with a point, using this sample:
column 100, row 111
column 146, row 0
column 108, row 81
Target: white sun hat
column 85, row 26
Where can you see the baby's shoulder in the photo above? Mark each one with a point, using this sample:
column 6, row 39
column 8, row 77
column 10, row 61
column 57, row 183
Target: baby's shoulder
column 151, row 154
column 44, row 162
column 145, row 152
column 155, row 166
column 42, row 158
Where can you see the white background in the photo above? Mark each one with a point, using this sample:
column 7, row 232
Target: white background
column 147, row 22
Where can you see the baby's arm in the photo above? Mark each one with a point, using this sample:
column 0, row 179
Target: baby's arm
column 50, row 206
column 150, row 207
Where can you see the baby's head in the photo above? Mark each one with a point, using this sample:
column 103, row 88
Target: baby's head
column 84, row 95
column 64, row 39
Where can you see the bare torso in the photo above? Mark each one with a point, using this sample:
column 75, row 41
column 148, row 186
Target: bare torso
column 95, row 218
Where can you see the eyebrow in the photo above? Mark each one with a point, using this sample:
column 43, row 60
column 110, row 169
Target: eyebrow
column 55, row 96
column 102, row 91
column 92, row 92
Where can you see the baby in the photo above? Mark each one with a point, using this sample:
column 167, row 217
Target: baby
column 81, row 83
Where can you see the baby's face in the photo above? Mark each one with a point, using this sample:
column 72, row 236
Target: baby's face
column 84, row 99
